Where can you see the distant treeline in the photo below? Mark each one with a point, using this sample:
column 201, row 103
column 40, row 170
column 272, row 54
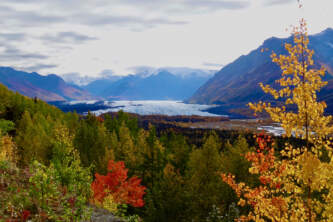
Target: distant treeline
column 79, row 107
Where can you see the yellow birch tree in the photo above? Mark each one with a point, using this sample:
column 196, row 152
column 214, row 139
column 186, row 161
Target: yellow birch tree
column 298, row 185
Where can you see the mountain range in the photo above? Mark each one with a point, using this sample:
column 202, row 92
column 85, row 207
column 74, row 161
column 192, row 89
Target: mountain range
column 237, row 83
column 162, row 85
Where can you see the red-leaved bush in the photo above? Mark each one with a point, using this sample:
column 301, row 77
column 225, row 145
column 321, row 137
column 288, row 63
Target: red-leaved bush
column 116, row 183
column 25, row 215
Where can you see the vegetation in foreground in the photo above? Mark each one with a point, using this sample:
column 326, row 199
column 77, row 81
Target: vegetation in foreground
column 54, row 166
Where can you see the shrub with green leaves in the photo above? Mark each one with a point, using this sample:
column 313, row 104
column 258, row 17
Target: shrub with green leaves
column 6, row 126
column 69, row 170
column 52, row 200
column 58, row 192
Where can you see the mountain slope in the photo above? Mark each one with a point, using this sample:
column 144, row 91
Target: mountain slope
column 48, row 88
column 238, row 83
column 160, row 86
column 97, row 87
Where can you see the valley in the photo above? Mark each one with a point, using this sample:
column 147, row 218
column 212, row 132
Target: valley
column 169, row 114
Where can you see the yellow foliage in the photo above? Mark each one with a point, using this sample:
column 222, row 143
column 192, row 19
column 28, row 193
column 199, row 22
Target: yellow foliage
column 110, row 204
column 298, row 186
column 7, row 149
column 299, row 85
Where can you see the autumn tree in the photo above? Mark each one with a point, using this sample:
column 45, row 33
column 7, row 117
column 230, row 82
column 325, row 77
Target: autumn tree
column 297, row 186
column 117, row 184
column 125, row 149
column 8, row 150
column 66, row 161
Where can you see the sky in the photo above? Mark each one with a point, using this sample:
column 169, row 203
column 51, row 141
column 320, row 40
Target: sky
column 96, row 38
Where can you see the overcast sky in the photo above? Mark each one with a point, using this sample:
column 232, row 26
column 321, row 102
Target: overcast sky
column 117, row 37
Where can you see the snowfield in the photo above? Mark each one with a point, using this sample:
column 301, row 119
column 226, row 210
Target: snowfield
column 162, row 107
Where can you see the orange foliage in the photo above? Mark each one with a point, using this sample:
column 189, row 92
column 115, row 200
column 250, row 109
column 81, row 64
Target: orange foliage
column 117, row 184
column 296, row 185
column 268, row 196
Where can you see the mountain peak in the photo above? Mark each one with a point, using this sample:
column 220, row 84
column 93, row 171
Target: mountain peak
column 160, row 85
column 329, row 29
column 49, row 88
column 326, row 32
column 164, row 73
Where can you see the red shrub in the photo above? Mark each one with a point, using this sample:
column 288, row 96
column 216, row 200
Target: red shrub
column 117, row 184
column 25, row 215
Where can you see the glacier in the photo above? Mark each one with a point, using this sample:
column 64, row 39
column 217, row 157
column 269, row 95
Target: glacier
column 156, row 107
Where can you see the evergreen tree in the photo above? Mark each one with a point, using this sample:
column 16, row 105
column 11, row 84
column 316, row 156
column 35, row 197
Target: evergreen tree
column 177, row 150
column 233, row 161
column 173, row 199
column 204, row 184
column 154, row 161
column 92, row 141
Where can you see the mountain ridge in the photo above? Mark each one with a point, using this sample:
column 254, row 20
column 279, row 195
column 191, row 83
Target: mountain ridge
column 48, row 88
column 162, row 85
column 237, row 83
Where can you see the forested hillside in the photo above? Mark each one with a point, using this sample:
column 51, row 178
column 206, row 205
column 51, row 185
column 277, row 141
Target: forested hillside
column 46, row 153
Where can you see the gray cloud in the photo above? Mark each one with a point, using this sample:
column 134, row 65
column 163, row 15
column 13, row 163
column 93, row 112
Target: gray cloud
column 107, row 73
column 67, row 37
column 186, row 71
column 12, row 37
column 78, row 14
column 187, row 6
column 181, row 71
column 106, row 12
column 94, row 19
column 37, row 18
column 77, row 78
column 142, row 70
column 11, row 53
column 218, row 4
column 14, row 17
column 278, row 2
column 37, row 67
